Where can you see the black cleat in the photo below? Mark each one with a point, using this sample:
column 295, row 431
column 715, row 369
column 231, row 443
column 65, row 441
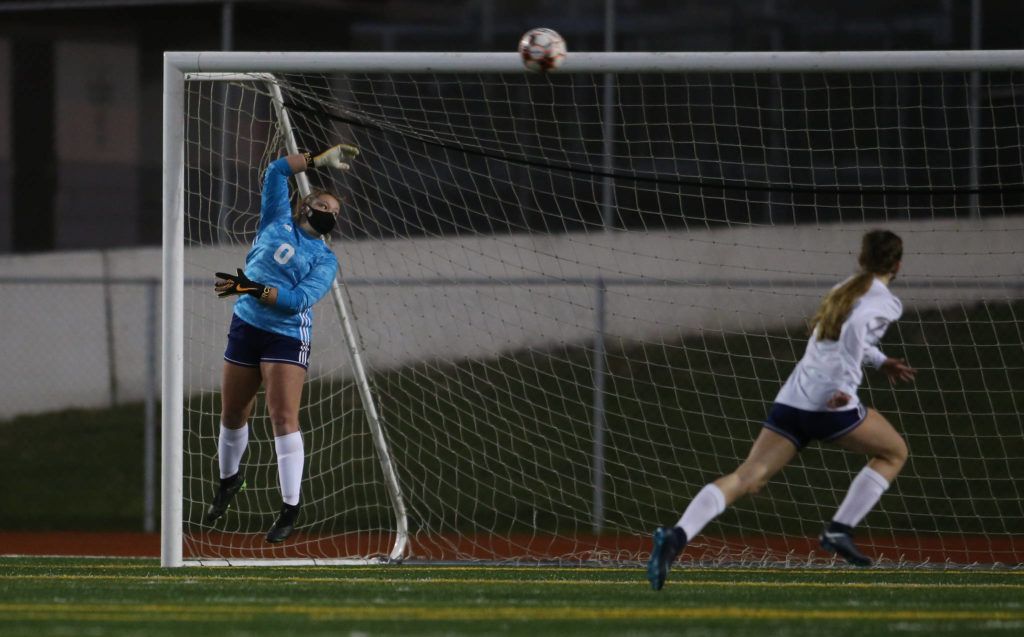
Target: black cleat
column 842, row 543
column 226, row 492
column 669, row 541
column 284, row 524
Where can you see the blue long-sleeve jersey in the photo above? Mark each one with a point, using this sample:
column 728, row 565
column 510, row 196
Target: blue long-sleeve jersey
column 300, row 266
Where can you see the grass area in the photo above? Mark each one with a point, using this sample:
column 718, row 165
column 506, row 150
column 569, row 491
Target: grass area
column 73, row 470
column 511, row 438
column 505, row 445
column 110, row 597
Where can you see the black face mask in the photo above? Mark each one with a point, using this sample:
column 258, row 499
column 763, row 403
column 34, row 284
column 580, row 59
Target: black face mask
column 322, row 222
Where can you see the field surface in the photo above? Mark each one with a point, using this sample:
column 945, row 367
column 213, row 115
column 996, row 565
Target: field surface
column 75, row 596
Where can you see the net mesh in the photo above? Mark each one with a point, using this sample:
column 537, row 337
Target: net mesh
column 575, row 314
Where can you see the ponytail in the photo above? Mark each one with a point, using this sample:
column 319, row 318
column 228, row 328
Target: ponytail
column 880, row 254
column 836, row 306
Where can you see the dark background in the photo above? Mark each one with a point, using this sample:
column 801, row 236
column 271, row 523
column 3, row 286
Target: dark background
column 57, row 193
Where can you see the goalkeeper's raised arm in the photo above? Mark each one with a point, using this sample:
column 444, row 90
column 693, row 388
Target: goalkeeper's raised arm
column 288, row 269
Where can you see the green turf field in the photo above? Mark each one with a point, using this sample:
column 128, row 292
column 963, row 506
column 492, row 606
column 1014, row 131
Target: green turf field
column 85, row 469
column 50, row 596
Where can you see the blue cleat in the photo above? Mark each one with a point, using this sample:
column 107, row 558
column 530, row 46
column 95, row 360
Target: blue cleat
column 669, row 541
column 842, row 543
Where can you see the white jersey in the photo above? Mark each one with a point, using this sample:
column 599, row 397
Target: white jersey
column 830, row 366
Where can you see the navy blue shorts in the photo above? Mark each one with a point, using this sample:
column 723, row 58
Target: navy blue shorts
column 248, row 346
column 801, row 427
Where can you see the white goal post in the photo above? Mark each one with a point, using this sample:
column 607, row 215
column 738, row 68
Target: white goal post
column 557, row 317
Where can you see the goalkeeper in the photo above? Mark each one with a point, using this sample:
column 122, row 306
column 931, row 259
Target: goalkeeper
column 819, row 402
column 288, row 270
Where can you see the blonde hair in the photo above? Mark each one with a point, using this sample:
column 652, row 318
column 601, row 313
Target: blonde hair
column 880, row 253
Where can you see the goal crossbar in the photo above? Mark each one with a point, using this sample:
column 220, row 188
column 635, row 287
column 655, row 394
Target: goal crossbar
column 600, row 62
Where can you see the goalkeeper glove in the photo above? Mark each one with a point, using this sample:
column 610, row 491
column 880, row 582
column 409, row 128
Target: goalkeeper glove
column 334, row 157
column 233, row 284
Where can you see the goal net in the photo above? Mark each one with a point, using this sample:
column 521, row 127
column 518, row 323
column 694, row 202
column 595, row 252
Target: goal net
column 567, row 301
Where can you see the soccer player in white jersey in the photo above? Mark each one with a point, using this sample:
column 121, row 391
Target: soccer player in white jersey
column 819, row 402
column 288, row 270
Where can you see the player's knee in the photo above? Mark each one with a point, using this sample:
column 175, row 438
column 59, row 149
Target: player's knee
column 895, row 455
column 899, row 453
column 282, row 419
column 232, row 419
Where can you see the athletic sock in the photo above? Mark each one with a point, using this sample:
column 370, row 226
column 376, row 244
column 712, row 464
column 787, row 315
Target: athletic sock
column 865, row 491
column 290, row 458
column 230, row 447
column 709, row 504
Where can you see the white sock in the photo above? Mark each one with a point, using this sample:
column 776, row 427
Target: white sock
column 864, row 493
column 230, row 447
column 709, row 504
column 290, row 458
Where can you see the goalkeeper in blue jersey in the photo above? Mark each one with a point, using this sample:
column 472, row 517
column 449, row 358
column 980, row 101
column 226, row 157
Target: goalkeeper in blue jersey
column 288, row 270
column 819, row 402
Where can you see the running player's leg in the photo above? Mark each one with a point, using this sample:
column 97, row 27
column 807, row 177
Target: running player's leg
column 769, row 453
column 888, row 453
column 283, row 383
column 877, row 438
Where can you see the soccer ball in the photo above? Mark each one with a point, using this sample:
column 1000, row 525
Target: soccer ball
column 543, row 50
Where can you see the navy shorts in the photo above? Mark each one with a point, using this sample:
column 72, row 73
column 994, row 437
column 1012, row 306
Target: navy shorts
column 248, row 346
column 801, row 427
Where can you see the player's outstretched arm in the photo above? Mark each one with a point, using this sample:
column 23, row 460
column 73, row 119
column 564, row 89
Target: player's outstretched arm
column 337, row 157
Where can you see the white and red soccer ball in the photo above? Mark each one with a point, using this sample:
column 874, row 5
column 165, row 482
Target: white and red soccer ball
column 542, row 49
